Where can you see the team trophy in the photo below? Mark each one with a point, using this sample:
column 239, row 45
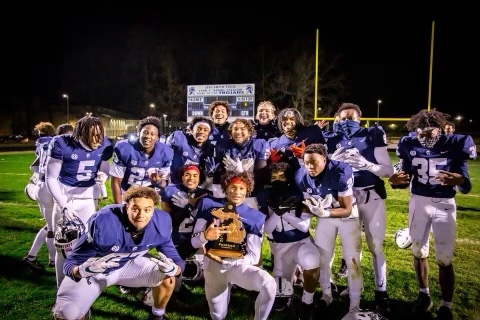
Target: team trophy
column 231, row 244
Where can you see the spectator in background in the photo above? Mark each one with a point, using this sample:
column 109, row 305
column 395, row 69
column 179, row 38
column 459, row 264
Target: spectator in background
column 141, row 162
column 72, row 165
column 449, row 128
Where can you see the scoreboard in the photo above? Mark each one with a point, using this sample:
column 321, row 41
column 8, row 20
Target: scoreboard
column 240, row 98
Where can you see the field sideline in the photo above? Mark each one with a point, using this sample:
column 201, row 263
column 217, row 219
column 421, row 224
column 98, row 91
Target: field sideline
column 29, row 295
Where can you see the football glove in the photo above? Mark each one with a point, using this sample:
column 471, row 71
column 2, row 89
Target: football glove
column 69, row 213
column 317, row 206
column 165, row 265
column 232, row 165
column 275, row 155
column 210, row 166
column 247, row 164
column 298, row 150
column 94, row 266
column 339, row 154
column 180, row 199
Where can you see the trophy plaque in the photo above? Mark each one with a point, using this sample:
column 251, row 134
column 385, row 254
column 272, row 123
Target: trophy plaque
column 232, row 244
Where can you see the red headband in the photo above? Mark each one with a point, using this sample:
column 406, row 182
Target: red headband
column 238, row 180
column 194, row 168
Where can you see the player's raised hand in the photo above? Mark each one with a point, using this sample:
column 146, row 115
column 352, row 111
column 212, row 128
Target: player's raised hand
column 316, row 207
column 213, row 232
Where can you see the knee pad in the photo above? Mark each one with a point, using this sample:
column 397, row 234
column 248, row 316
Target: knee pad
column 419, row 251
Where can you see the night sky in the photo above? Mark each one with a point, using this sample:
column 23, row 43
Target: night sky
column 387, row 58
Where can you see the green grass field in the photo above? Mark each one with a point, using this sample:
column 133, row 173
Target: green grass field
column 30, row 295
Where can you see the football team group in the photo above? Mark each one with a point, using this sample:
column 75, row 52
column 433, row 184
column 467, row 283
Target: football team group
column 198, row 206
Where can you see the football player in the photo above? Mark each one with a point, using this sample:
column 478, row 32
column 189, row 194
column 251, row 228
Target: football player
column 243, row 153
column 295, row 136
column 180, row 200
column 265, row 123
column 289, row 235
column 222, row 273
column 115, row 251
column 219, row 111
column 365, row 150
column 434, row 166
column 140, row 162
column 191, row 148
column 45, row 132
column 72, row 165
column 327, row 187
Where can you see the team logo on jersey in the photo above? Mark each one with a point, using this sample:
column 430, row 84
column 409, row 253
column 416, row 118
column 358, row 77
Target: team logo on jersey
column 338, row 146
column 349, row 143
column 413, row 153
column 309, row 190
column 210, row 137
column 134, row 162
column 74, row 156
column 427, row 152
column 87, row 155
column 134, row 248
column 115, row 248
column 185, row 153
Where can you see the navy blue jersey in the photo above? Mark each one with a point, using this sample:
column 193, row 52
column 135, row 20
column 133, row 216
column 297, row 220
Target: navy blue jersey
column 183, row 231
column 79, row 165
column 219, row 136
column 450, row 153
column 130, row 157
column 41, row 151
column 186, row 152
column 285, row 235
column 252, row 220
column 336, row 179
column 308, row 135
column 267, row 131
column 365, row 140
column 107, row 234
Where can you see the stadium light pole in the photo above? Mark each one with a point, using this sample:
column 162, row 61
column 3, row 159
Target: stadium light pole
column 378, row 110
column 68, row 106
column 152, row 106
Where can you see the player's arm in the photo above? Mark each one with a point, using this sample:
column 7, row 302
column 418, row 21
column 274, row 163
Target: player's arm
column 52, row 172
column 383, row 168
column 115, row 184
column 301, row 223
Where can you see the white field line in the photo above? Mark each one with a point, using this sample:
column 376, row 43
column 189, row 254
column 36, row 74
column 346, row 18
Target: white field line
column 12, row 204
column 15, row 174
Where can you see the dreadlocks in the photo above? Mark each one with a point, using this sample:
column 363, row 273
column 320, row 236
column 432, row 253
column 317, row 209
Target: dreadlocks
column 88, row 128
column 427, row 118
column 154, row 121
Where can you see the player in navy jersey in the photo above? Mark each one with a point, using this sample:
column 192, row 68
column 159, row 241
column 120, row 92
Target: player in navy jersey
column 327, row 187
column 295, row 136
column 243, row 153
column 142, row 162
column 219, row 111
column 115, row 251
column 45, row 132
column 180, row 200
column 365, row 150
column 191, row 148
column 222, row 273
column 265, row 123
column 72, row 165
column 435, row 165
column 287, row 229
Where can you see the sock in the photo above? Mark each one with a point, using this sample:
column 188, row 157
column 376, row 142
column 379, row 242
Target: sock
column 38, row 242
column 51, row 250
column 307, row 297
column 447, row 304
column 158, row 312
column 425, row 290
